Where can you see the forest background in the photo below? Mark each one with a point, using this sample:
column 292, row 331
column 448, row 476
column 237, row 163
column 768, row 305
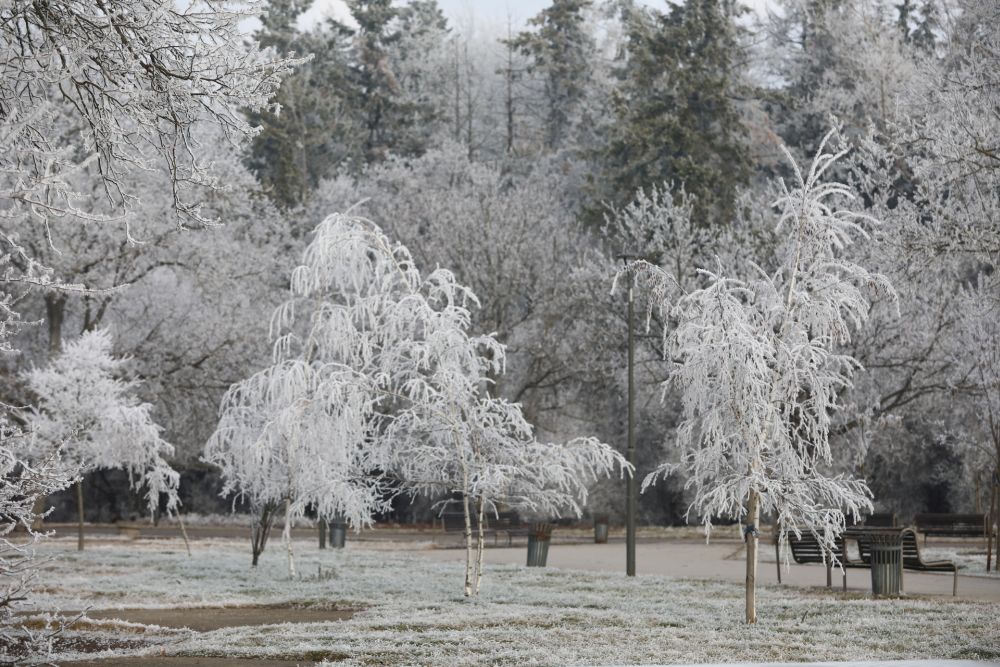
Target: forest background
column 528, row 162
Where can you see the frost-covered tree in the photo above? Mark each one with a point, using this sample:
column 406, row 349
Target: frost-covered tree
column 459, row 440
column 451, row 211
column 20, row 484
column 759, row 367
column 308, row 430
column 134, row 79
column 376, row 381
column 88, row 414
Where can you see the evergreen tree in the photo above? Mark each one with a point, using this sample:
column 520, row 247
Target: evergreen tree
column 676, row 121
column 313, row 132
column 346, row 107
column 421, row 62
column 377, row 99
column 560, row 50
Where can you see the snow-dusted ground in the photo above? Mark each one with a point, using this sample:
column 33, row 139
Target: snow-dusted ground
column 866, row 663
column 412, row 612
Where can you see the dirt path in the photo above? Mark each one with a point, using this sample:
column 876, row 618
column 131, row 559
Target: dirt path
column 206, row 619
column 185, row 661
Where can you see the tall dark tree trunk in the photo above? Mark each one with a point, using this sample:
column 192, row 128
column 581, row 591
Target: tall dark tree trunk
column 79, row 512
column 55, row 312
column 260, row 530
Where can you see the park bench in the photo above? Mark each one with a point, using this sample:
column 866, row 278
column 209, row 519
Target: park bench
column 886, row 520
column 128, row 530
column 912, row 560
column 951, row 525
column 494, row 524
column 807, row 549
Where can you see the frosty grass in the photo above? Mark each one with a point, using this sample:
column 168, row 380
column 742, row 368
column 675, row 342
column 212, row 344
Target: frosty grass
column 411, row 611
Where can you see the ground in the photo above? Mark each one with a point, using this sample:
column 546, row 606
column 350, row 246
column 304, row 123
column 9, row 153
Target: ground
column 400, row 603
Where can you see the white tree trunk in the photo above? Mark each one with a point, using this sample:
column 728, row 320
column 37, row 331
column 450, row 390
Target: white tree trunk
column 753, row 519
column 479, row 550
column 468, row 542
column 286, row 534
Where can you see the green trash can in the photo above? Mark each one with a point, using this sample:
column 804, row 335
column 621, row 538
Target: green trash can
column 886, row 554
column 538, row 544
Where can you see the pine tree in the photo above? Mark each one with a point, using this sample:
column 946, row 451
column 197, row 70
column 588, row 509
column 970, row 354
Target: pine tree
column 561, row 51
column 310, row 136
column 676, row 119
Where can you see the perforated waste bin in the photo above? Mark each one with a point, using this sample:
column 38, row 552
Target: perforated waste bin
column 886, row 551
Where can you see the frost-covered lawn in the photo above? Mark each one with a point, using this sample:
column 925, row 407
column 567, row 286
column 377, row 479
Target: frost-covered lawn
column 411, row 612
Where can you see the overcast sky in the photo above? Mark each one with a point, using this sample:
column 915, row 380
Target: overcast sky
column 482, row 13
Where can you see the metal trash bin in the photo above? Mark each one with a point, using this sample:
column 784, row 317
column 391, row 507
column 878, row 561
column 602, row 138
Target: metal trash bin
column 601, row 529
column 886, row 549
column 538, row 544
column 338, row 534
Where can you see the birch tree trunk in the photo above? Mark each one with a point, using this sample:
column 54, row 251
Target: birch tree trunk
column 479, row 548
column 286, row 534
column 468, row 541
column 753, row 518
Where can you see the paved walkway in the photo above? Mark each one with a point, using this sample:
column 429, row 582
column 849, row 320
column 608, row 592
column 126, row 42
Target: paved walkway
column 720, row 561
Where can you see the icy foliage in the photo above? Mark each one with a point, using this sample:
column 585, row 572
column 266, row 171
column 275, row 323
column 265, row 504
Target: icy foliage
column 976, row 350
column 134, row 78
column 760, row 374
column 501, row 232
column 375, row 374
column 88, row 414
column 21, row 485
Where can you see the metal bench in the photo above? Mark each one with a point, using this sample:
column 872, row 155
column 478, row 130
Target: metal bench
column 502, row 522
column 912, row 560
column 807, row 549
column 951, row 525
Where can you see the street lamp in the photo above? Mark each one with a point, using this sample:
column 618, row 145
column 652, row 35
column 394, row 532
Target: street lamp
column 631, row 492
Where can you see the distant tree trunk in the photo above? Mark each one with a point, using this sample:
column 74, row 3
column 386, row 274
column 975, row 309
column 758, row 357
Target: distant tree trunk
column 79, row 512
column 753, row 518
column 260, row 530
column 469, row 108
column 458, row 95
column 55, row 311
column 509, row 76
column 322, row 532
